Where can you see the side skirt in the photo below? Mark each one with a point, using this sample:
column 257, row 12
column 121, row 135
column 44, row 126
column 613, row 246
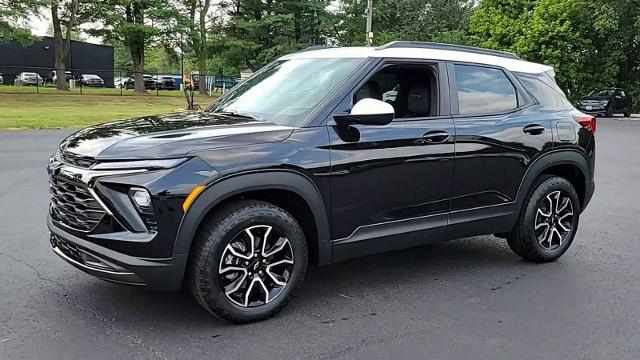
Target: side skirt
column 379, row 238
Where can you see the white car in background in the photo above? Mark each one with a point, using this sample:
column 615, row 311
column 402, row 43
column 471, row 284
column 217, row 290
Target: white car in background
column 28, row 78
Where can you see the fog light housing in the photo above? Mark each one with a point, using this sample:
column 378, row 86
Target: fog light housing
column 141, row 197
column 142, row 200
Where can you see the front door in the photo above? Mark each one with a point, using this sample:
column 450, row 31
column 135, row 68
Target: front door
column 393, row 179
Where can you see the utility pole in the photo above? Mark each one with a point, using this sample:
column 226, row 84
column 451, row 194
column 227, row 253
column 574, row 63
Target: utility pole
column 369, row 35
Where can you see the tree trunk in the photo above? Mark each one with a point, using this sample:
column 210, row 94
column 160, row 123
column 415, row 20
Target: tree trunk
column 137, row 55
column 59, row 48
column 202, row 47
column 136, row 46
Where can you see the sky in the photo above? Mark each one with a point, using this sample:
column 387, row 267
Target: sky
column 40, row 24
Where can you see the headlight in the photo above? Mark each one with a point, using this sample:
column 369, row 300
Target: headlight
column 139, row 164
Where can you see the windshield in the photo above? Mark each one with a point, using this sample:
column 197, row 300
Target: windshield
column 607, row 92
column 285, row 92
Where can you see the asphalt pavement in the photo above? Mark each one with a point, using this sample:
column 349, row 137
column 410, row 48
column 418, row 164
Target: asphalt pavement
column 464, row 299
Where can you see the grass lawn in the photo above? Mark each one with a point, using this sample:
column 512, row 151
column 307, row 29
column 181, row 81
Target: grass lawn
column 53, row 110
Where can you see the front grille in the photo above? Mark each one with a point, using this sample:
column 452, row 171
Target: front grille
column 79, row 161
column 73, row 205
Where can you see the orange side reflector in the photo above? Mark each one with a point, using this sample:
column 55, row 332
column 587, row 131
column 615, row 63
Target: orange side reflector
column 192, row 196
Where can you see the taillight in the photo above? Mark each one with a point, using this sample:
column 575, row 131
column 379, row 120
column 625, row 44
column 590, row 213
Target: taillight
column 586, row 121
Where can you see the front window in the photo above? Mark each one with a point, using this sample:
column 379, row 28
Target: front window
column 603, row 93
column 286, row 92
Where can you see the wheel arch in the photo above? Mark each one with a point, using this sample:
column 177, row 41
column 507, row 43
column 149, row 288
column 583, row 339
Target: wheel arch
column 570, row 164
column 290, row 190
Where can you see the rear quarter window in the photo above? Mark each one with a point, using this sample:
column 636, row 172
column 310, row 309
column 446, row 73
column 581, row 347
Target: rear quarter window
column 546, row 96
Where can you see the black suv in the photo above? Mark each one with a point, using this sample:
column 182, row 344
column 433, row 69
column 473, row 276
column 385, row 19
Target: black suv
column 606, row 102
column 304, row 163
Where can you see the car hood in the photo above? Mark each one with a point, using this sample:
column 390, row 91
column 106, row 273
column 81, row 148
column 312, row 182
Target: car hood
column 170, row 136
column 595, row 98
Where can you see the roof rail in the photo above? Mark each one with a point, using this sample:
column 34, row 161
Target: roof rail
column 316, row 47
column 440, row 46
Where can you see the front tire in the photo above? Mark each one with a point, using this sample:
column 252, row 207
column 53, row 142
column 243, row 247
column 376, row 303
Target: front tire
column 548, row 222
column 610, row 111
column 247, row 261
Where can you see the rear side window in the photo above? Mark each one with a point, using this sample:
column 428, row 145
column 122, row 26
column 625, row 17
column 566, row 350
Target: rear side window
column 546, row 96
column 483, row 90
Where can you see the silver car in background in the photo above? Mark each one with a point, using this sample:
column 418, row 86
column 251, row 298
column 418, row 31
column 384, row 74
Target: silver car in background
column 28, row 78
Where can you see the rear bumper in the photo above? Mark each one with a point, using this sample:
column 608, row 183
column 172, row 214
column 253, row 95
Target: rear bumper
column 107, row 264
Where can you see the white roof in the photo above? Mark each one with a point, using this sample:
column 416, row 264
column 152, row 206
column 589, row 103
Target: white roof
column 422, row 53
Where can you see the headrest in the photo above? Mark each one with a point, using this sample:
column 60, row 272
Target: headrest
column 419, row 101
column 370, row 89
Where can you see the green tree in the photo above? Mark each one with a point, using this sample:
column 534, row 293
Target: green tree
column 591, row 44
column 258, row 32
column 417, row 20
column 198, row 26
column 136, row 24
column 13, row 19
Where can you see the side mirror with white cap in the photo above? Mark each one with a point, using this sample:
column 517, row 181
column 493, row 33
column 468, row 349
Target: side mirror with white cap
column 370, row 112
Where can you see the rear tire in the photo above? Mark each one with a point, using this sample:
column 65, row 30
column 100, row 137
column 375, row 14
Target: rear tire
column 548, row 221
column 237, row 276
column 627, row 113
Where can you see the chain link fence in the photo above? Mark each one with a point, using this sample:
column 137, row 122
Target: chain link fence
column 43, row 80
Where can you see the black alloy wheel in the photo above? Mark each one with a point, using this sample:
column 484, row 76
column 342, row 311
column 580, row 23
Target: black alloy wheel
column 247, row 261
column 548, row 221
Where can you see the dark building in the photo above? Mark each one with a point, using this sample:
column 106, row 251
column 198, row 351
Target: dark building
column 83, row 58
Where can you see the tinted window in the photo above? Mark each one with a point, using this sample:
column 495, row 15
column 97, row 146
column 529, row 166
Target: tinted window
column 548, row 97
column 484, row 90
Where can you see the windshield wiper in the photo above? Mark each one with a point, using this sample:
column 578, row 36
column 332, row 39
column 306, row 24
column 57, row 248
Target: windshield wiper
column 236, row 114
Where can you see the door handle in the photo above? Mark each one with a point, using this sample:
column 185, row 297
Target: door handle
column 533, row 129
column 436, row 136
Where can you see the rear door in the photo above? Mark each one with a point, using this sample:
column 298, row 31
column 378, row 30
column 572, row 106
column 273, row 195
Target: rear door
column 499, row 132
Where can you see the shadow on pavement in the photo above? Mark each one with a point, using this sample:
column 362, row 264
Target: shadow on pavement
column 371, row 276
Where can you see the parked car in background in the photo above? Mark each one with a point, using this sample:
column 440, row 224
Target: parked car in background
column 149, row 82
column 90, row 80
column 28, row 78
column 52, row 77
column 118, row 81
column 1, row 79
column 606, row 102
column 165, row 82
column 235, row 201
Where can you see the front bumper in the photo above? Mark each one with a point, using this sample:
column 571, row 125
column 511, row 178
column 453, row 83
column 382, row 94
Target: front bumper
column 596, row 110
column 110, row 265
column 601, row 113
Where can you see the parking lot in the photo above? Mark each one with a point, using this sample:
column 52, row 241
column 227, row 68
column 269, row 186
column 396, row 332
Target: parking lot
column 465, row 299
